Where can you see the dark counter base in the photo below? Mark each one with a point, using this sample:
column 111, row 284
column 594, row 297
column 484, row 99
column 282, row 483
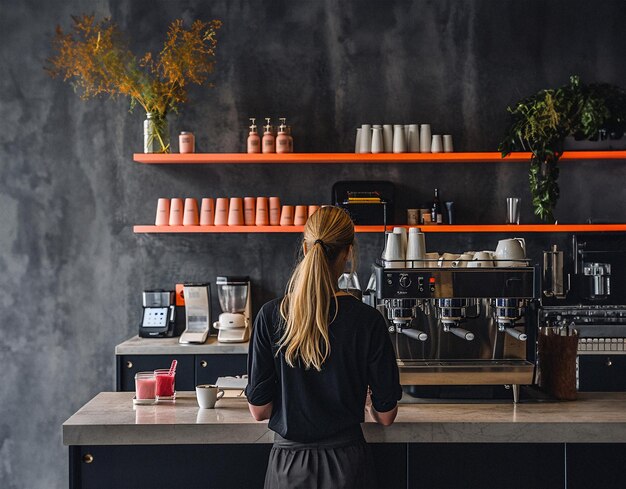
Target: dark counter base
column 398, row 465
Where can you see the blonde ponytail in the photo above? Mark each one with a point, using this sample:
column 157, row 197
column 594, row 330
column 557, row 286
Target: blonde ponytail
column 305, row 308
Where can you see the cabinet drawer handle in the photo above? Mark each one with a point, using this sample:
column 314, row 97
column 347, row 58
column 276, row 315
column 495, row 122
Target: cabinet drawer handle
column 129, row 364
column 88, row 458
column 609, row 362
column 203, row 363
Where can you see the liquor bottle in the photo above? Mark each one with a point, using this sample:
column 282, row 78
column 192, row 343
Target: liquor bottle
column 436, row 213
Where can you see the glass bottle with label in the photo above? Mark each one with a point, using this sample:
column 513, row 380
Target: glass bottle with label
column 436, row 213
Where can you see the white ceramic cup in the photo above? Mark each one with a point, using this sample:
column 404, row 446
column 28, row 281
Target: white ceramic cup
column 357, row 144
column 207, row 395
column 425, row 138
column 448, row 260
column 414, row 138
column 447, row 143
column 399, row 139
column 388, row 137
column 377, row 140
column 366, row 138
column 482, row 259
column 393, row 255
column 436, row 145
column 416, row 248
column 463, row 261
column 432, row 260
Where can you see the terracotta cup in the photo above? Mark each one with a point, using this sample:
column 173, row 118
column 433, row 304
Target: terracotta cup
column 286, row 216
column 262, row 211
column 274, row 211
column 300, row 215
column 235, row 212
column 176, row 212
column 163, row 213
column 190, row 216
column 207, row 212
column 221, row 211
column 249, row 204
column 312, row 209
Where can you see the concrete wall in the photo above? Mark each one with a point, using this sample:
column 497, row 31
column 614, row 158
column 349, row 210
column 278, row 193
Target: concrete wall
column 72, row 270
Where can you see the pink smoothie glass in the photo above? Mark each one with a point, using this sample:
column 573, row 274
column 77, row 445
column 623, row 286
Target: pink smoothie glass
column 145, row 385
column 165, row 383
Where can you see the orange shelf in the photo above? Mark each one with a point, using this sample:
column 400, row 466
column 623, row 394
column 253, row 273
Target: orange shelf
column 465, row 228
column 297, row 158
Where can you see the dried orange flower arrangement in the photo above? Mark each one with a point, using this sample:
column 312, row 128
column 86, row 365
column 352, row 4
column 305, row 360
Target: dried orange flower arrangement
column 95, row 59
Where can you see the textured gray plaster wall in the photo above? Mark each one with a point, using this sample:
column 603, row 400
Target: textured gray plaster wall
column 72, row 270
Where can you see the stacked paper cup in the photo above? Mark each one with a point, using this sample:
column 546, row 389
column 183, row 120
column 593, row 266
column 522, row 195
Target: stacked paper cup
column 402, row 251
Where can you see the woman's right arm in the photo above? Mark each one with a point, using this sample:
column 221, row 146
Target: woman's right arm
column 383, row 376
column 261, row 370
column 385, row 418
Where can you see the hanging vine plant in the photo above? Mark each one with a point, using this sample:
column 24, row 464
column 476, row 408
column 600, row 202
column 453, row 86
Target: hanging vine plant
column 541, row 123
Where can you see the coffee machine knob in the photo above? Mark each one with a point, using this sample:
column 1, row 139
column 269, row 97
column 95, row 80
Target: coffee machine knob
column 405, row 281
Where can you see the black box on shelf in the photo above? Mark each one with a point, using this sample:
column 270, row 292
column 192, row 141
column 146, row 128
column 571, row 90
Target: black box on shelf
column 368, row 202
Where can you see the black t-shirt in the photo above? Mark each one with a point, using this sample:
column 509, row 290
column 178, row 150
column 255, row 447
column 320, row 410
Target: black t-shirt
column 311, row 405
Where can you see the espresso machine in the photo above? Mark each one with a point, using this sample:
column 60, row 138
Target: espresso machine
column 233, row 324
column 584, row 288
column 461, row 326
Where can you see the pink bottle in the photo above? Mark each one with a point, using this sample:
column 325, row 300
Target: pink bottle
column 269, row 143
column 207, row 212
column 221, row 211
column 262, row 212
column 249, row 204
column 300, row 216
column 286, row 216
column 186, row 142
column 254, row 141
column 176, row 212
column 274, row 211
column 282, row 140
column 235, row 212
column 190, row 218
column 163, row 213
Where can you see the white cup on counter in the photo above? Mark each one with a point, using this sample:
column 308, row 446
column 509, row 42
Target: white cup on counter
column 207, row 395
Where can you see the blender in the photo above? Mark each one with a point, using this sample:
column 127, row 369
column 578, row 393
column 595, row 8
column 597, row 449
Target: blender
column 233, row 324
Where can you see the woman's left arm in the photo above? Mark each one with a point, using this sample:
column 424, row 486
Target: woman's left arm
column 261, row 413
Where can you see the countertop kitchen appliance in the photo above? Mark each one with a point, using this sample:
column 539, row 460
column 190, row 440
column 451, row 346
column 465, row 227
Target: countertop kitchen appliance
column 197, row 313
column 584, row 288
column 234, row 294
column 158, row 318
column 461, row 326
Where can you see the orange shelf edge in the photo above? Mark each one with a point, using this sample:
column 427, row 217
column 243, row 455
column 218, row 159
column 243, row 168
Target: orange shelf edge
column 464, row 228
column 298, row 158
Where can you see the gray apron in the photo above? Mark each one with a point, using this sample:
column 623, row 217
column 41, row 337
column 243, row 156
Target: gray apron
column 342, row 461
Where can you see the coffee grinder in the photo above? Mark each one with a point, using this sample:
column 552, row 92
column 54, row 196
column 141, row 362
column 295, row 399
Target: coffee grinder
column 234, row 296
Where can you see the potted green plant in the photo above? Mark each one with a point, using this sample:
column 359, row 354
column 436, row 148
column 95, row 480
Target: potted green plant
column 542, row 122
column 95, row 58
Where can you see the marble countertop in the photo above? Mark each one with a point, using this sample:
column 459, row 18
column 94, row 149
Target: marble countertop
column 171, row 346
column 111, row 419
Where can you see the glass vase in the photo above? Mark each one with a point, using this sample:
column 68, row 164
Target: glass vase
column 156, row 133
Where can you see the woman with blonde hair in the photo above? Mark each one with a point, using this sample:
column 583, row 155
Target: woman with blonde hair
column 313, row 356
